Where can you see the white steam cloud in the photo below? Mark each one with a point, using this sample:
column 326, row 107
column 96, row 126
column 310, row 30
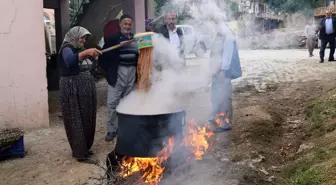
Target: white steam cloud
column 172, row 83
column 167, row 85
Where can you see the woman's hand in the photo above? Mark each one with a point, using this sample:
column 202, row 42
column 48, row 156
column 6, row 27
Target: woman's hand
column 93, row 52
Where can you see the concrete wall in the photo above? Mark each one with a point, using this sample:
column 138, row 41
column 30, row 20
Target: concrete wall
column 98, row 14
column 23, row 83
column 62, row 21
column 136, row 8
column 102, row 11
column 150, row 9
column 139, row 15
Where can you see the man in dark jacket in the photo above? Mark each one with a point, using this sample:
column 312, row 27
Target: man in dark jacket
column 171, row 32
column 120, row 68
column 327, row 35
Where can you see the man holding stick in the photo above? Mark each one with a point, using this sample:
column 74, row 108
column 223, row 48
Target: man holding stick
column 120, row 66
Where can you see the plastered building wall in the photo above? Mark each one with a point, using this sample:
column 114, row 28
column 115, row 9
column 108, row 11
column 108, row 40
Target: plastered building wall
column 23, row 83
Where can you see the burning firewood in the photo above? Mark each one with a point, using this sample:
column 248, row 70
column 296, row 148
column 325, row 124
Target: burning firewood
column 150, row 170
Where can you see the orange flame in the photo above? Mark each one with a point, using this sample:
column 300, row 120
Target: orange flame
column 151, row 167
column 220, row 118
column 195, row 141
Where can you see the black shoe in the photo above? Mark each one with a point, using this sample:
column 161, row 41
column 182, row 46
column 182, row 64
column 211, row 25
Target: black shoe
column 331, row 60
column 212, row 121
column 90, row 152
column 110, row 136
column 311, row 55
column 87, row 161
column 221, row 129
column 321, row 61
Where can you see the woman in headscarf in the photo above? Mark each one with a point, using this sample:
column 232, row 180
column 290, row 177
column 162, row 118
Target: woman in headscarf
column 78, row 93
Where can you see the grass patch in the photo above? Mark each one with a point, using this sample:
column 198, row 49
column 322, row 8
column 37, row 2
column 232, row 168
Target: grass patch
column 308, row 170
column 322, row 115
column 322, row 155
column 303, row 172
column 318, row 167
column 311, row 176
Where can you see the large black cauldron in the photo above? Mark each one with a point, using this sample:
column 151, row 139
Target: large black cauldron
column 144, row 135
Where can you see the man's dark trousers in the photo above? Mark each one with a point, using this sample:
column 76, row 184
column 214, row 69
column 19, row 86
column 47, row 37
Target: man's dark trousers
column 329, row 38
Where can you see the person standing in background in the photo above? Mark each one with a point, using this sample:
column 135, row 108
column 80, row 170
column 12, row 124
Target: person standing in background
column 310, row 33
column 327, row 35
column 225, row 66
column 172, row 33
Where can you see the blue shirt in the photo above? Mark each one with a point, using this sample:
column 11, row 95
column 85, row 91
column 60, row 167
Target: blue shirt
column 69, row 57
column 68, row 61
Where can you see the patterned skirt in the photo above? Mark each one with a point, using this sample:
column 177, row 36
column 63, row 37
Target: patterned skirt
column 79, row 105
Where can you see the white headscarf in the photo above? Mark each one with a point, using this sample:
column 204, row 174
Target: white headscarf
column 73, row 35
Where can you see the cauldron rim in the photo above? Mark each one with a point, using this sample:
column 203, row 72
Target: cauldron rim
column 158, row 114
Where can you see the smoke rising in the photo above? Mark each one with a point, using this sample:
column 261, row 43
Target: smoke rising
column 171, row 83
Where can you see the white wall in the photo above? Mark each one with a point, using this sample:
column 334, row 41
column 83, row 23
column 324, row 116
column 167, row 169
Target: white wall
column 23, row 83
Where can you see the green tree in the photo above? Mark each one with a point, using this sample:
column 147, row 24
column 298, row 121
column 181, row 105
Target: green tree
column 183, row 11
column 234, row 7
column 158, row 4
column 293, row 6
column 76, row 7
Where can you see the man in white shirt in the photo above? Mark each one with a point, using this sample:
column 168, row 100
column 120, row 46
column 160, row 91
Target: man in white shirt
column 327, row 35
column 171, row 32
column 310, row 33
column 174, row 38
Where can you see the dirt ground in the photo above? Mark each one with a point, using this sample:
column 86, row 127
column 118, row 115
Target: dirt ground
column 266, row 136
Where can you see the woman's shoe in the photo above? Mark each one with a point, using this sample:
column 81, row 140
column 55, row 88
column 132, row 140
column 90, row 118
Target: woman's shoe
column 87, row 161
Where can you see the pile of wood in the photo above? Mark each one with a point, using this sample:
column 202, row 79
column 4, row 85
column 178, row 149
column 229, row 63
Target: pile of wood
column 8, row 137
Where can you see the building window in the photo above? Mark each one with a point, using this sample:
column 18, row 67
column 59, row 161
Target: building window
column 46, row 16
column 46, row 19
